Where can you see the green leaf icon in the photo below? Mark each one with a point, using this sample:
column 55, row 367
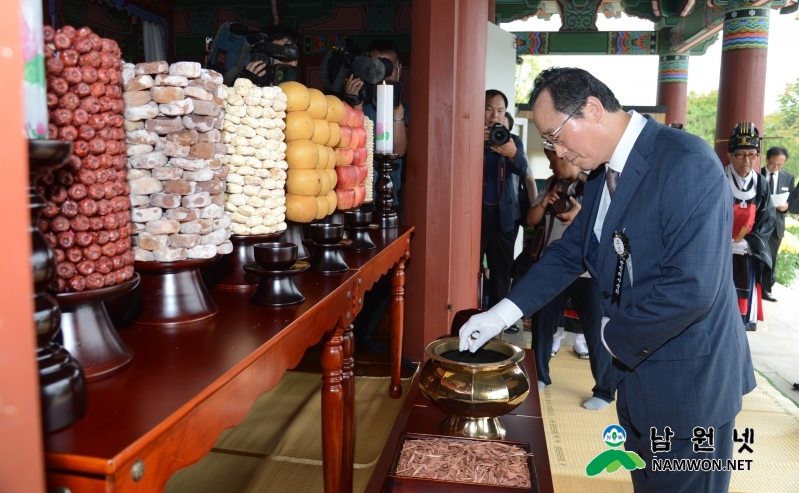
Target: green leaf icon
column 613, row 460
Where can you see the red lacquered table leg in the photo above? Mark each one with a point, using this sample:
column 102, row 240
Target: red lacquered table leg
column 348, row 385
column 332, row 409
column 397, row 324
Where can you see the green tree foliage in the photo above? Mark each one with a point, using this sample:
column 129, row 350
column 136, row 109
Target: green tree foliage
column 785, row 125
column 525, row 75
column 700, row 115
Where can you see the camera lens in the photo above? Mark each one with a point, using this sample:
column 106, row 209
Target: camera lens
column 498, row 135
column 563, row 204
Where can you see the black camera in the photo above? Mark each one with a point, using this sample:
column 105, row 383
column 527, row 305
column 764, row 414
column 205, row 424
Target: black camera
column 561, row 205
column 565, row 192
column 343, row 63
column 497, row 135
column 263, row 50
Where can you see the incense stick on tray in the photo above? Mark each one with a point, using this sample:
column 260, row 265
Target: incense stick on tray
column 472, row 461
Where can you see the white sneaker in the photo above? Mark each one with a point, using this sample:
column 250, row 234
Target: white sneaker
column 557, row 339
column 580, row 346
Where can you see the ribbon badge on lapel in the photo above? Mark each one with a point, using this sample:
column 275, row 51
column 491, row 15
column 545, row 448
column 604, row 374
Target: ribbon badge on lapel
column 621, row 244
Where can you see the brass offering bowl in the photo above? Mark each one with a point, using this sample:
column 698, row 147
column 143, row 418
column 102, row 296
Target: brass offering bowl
column 474, row 389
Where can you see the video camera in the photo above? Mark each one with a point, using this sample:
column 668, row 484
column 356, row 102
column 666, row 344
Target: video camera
column 235, row 46
column 347, row 62
column 263, row 50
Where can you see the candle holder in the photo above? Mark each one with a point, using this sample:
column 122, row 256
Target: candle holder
column 88, row 333
column 229, row 272
column 386, row 216
column 172, row 294
column 61, row 380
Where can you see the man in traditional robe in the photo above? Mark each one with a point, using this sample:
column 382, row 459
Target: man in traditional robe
column 753, row 221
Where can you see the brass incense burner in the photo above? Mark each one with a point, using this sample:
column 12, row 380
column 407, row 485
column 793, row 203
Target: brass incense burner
column 474, row 389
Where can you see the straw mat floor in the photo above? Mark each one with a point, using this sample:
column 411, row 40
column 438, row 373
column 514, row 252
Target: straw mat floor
column 574, row 435
column 278, row 446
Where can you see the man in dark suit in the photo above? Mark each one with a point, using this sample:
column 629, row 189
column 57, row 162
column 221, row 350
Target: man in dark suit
column 654, row 232
column 498, row 228
column 779, row 182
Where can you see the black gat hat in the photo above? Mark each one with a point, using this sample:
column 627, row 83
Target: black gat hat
column 744, row 136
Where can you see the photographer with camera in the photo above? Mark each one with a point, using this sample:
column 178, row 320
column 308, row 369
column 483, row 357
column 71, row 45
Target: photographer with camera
column 267, row 57
column 386, row 51
column 554, row 210
column 503, row 156
column 278, row 35
column 258, row 70
column 379, row 62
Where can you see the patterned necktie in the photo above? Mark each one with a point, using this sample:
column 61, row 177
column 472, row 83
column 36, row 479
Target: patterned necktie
column 771, row 184
column 612, row 178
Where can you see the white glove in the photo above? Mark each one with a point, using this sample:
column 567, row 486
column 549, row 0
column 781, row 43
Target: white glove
column 479, row 329
column 740, row 247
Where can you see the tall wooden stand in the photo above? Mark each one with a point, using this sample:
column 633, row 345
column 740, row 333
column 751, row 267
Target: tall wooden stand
column 294, row 235
column 63, row 387
column 88, row 333
column 385, row 215
column 172, row 294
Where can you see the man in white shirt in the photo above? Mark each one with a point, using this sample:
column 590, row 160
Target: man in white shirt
column 654, row 233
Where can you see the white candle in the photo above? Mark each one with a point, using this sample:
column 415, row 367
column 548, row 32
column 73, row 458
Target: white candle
column 33, row 84
column 384, row 126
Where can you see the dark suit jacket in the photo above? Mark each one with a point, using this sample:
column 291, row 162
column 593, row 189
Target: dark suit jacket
column 785, row 183
column 508, row 204
column 681, row 353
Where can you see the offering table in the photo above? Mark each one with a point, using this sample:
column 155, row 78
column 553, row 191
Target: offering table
column 187, row 384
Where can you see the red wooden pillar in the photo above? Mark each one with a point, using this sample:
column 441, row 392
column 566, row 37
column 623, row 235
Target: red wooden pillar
column 673, row 86
column 445, row 162
column 21, row 449
column 742, row 81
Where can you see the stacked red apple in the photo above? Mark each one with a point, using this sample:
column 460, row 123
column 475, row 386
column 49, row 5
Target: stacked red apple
column 351, row 156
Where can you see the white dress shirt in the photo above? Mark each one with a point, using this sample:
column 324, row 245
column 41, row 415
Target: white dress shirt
column 776, row 179
column 506, row 309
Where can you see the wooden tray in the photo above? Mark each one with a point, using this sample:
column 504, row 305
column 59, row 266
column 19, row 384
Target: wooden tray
column 395, row 483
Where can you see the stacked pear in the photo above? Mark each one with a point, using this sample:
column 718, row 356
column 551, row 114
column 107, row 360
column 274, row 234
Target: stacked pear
column 310, row 136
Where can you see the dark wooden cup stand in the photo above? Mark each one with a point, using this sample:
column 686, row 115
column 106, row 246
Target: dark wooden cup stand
column 361, row 239
column 88, row 332
column 172, row 294
column 294, row 234
column 327, row 259
column 61, row 379
column 229, row 272
column 276, row 287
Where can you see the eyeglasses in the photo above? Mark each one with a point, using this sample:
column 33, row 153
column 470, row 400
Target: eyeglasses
column 549, row 144
column 748, row 155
